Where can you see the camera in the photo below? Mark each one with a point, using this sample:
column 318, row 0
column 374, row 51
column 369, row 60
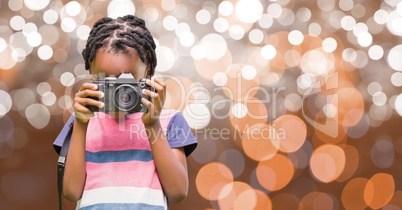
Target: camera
column 121, row 94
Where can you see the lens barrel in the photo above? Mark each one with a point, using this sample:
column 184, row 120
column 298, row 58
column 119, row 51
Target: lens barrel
column 126, row 97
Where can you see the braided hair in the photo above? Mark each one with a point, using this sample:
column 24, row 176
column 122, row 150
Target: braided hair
column 117, row 35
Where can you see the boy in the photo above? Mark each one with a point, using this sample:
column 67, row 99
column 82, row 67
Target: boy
column 108, row 167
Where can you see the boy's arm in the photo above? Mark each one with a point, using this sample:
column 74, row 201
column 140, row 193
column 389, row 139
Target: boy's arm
column 170, row 163
column 74, row 173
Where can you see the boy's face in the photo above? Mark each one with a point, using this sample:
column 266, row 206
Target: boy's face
column 110, row 63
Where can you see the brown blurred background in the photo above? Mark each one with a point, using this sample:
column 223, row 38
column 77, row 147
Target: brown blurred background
column 295, row 104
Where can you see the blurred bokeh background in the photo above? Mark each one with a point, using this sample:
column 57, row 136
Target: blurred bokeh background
column 296, row 104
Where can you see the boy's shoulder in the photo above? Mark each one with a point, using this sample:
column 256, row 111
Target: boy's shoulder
column 168, row 113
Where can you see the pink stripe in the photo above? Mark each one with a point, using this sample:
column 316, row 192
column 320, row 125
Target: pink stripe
column 128, row 174
column 106, row 133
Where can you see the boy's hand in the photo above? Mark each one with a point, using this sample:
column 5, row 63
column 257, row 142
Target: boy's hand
column 157, row 98
column 81, row 100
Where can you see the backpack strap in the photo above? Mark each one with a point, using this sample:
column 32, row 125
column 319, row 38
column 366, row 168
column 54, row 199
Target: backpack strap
column 58, row 142
column 64, row 140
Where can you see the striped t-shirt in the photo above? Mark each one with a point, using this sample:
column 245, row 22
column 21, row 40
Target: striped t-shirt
column 120, row 170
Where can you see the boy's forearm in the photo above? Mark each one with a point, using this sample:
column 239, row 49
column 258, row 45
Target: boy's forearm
column 170, row 164
column 74, row 174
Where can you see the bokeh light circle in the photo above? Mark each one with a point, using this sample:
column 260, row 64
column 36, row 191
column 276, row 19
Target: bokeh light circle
column 118, row 8
column 365, row 39
column 382, row 153
column 290, row 132
column 203, row 16
column 220, row 79
column 45, row 52
column 317, row 62
column 376, row 52
column 36, row 4
column 83, row 32
column 398, row 104
column 17, row 22
column 295, row 37
column 258, row 143
column 256, row 36
column 379, row 190
column 351, row 163
column 67, row 79
column 353, row 194
column 15, row 5
column 274, row 10
column 234, row 159
column 275, row 173
column 73, row 8
column 268, row 52
column 211, row 178
column 266, row 21
column 396, row 79
column 248, row 11
column 170, row 23
column 68, row 25
column 349, row 111
column 48, row 98
column 263, row 201
column 50, row 16
column 215, row 46
column 317, row 200
column 226, row 8
column 327, row 162
column 34, row 39
column 303, row 14
column 394, row 58
column 329, row 44
column 5, row 103
column 221, row 25
column 37, row 115
column 24, row 96
column 239, row 110
column 379, row 98
column 233, row 195
column 3, row 44
column 198, row 116
column 236, row 32
column 166, row 58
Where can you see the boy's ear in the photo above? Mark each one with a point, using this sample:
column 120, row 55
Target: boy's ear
column 148, row 73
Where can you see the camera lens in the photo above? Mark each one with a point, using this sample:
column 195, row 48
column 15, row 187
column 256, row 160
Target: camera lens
column 126, row 97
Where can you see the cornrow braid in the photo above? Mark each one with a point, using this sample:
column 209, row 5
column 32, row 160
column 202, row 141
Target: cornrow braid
column 117, row 35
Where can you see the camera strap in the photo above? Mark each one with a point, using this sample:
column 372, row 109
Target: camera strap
column 64, row 140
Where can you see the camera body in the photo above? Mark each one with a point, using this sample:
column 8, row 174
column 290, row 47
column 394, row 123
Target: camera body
column 121, row 94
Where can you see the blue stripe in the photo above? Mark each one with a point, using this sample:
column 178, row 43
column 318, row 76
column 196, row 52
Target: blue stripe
column 118, row 156
column 121, row 206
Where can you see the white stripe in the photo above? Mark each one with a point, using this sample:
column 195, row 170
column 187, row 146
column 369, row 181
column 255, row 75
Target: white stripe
column 123, row 195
